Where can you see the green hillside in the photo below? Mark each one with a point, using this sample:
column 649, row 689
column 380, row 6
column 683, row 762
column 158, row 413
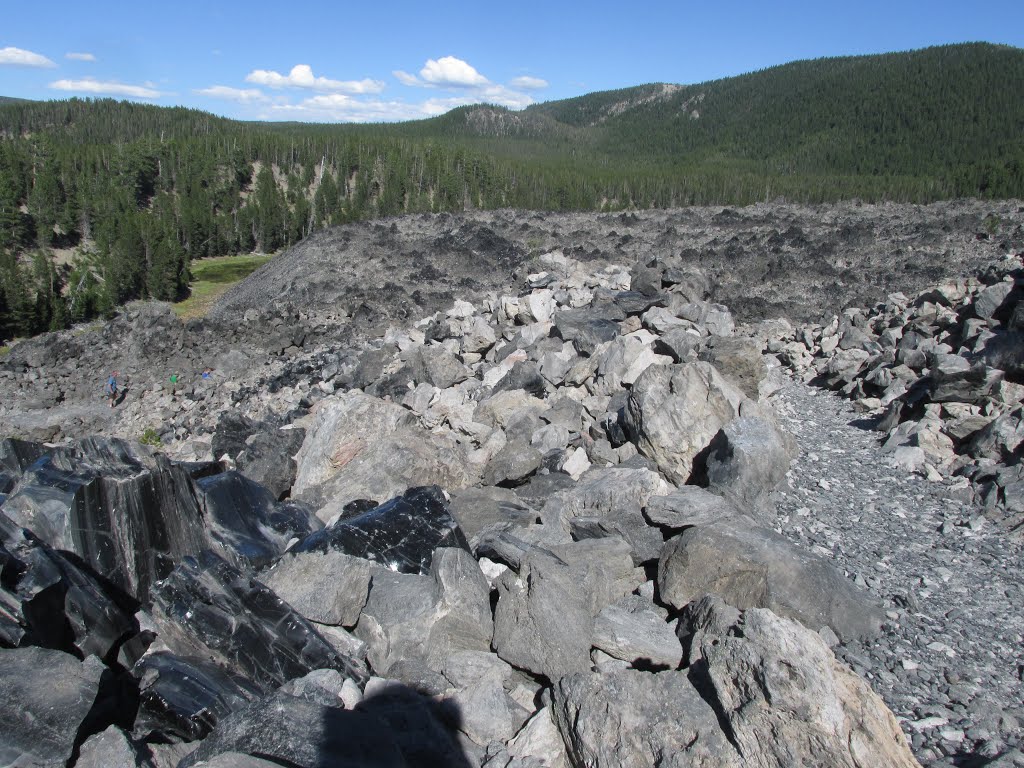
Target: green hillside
column 128, row 195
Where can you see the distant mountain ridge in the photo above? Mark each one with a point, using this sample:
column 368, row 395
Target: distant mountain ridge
column 140, row 190
column 924, row 111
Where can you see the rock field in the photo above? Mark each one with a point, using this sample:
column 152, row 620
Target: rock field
column 949, row 659
column 707, row 487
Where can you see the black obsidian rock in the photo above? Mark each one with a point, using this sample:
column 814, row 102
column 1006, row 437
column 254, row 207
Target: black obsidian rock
column 252, row 526
column 52, row 599
column 636, row 303
column 400, row 534
column 587, row 328
column 130, row 517
column 185, row 698
column 206, row 607
column 526, row 376
column 15, row 457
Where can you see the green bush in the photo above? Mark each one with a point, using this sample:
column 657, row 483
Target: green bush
column 150, row 437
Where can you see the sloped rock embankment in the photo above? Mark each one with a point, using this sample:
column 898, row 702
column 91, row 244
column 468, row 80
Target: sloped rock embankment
column 487, row 537
column 548, row 609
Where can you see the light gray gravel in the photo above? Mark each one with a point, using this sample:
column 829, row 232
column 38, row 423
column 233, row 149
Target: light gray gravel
column 950, row 659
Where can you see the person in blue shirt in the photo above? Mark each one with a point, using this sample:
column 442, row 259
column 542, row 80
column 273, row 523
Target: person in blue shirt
column 111, row 388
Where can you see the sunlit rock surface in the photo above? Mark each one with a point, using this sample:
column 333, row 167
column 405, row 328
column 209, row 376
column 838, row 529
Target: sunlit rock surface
column 400, row 534
column 186, row 697
column 208, row 608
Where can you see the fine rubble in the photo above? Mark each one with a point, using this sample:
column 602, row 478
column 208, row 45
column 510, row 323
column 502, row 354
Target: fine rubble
column 486, row 536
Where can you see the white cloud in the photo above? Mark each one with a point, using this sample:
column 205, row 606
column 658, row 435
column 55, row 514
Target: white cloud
column 435, row 107
column 405, row 78
column 243, row 95
column 80, row 56
column 454, row 74
column 22, row 58
column 90, row 85
column 338, row 107
column 302, row 76
column 465, row 85
column 494, row 94
column 506, row 97
column 528, row 83
column 451, row 72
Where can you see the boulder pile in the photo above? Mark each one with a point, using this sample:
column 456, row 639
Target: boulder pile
column 534, row 531
column 941, row 375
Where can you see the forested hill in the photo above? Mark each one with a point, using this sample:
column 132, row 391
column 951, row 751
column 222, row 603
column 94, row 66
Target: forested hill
column 128, row 194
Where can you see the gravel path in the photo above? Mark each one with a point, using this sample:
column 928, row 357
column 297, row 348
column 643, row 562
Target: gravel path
column 950, row 659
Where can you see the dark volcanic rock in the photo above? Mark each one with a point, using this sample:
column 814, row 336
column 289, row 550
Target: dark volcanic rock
column 15, row 457
column 526, row 376
column 243, row 516
column 397, row 728
column 261, row 451
column 401, row 534
column 186, row 697
column 51, row 599
column 588, row 328
column 233, row 429
column 636, row 302
column 268, row 459
column 131, row 516
column 208, row 608
column 128, row 516
column 44, row 698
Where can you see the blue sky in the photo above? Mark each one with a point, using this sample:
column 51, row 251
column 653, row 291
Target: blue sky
column 375, row 61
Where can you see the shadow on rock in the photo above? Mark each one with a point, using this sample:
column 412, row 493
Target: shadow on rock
column 396, row 727
column 867, row 423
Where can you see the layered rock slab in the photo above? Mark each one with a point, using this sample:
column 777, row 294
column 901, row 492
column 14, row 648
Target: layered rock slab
column 753, row 567
column 361, row 447
column 674, row 411
column 768, row 675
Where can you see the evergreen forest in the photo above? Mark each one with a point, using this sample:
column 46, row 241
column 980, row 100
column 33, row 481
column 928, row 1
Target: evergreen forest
column 102, row 202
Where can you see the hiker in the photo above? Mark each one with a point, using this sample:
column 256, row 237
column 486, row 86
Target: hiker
column 207, row 373
column 111, row 388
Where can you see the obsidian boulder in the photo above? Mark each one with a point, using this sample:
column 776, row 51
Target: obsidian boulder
column 400, row 534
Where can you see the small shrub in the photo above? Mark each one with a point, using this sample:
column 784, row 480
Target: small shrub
column 150, row 437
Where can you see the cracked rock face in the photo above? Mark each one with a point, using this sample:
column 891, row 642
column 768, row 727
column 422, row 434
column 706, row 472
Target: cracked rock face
column 46, row 697
column 206, row 607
